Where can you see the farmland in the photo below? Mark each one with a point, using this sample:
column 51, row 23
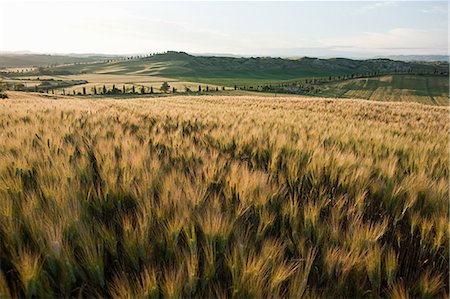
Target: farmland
column 76, row 83
column 222, row 196
column 431, row 90
column 372, row 79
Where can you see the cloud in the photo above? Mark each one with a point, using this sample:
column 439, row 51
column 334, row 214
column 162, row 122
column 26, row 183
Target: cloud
column 129, row 28
column 373, row 6
column 397, row 41
column 436, row 9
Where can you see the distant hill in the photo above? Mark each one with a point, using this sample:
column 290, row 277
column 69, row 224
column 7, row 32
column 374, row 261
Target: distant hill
column 428, row 58
column 216, row 69
column 185, row 64
column 246, row 70
column 18, row 60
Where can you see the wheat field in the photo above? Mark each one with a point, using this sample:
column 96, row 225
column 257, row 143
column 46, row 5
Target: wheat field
column 222, row 196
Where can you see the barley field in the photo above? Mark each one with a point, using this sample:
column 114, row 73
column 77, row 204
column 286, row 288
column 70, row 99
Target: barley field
column 222, row 196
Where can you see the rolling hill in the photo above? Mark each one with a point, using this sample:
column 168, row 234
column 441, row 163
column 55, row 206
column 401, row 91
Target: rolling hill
column 372, row 79
column 232, row 70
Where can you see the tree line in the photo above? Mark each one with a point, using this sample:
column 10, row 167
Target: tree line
column 165, row 88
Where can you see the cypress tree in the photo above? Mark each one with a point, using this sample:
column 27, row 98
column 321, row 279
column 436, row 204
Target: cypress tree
column 165, row 87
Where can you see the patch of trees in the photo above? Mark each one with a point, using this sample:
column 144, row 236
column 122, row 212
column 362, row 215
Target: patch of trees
column 292, row 88
column 165, row 87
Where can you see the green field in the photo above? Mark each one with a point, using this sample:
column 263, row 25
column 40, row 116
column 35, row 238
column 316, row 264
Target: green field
column 433, row 90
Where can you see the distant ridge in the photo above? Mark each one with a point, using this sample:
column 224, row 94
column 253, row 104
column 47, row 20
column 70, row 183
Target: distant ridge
column 14, row 59
column 428, row 58
column 30, row 59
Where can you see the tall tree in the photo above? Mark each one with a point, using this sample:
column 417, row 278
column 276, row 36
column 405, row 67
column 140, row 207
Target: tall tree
column 165, row 87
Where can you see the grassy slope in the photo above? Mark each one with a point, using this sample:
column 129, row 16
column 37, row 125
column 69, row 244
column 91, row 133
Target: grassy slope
column 431, row 90
column 229, row 71
column 216, row 196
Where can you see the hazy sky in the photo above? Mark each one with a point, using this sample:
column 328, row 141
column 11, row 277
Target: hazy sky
column 318, row 28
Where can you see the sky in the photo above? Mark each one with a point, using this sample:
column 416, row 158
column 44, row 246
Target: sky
column 313, row 28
